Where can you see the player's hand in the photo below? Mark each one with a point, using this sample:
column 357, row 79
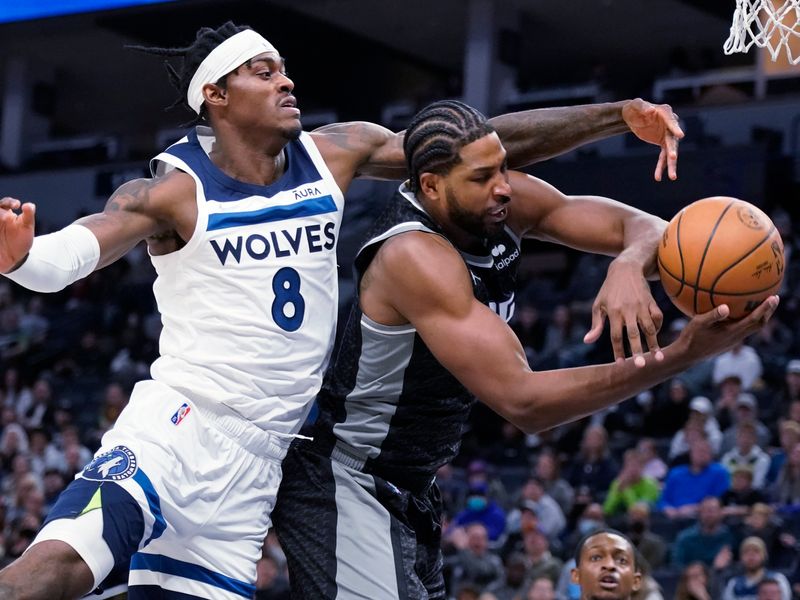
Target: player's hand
column 656, row 124
column 626, row 300
column 16, row 232
column 711, row 333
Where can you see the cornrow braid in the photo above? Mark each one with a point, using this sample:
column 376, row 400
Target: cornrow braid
column 436, row 135
column 205, row 41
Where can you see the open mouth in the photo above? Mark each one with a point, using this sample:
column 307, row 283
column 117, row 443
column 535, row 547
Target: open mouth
column 608, row 582
column 498, row 214
column 290, row 103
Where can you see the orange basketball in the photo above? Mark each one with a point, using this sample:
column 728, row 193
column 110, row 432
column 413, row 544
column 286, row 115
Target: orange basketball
column 720, row 250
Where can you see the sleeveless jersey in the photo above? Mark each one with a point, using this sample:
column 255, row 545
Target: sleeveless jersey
column 249, row 305
column 386, row 402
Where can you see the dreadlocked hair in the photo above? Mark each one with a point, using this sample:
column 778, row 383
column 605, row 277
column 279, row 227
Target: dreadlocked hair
column 436, row 135
column 206, row 40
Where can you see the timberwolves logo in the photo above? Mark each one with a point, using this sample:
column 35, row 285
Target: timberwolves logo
column 116, row 464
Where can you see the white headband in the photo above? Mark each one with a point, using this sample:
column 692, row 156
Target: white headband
column 230, row 54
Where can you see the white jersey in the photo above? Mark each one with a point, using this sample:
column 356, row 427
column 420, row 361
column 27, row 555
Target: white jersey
column 249, row 305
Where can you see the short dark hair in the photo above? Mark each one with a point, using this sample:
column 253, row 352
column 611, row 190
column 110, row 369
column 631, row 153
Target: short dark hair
column 191, row 56
column 436, row 135
column 608, row 531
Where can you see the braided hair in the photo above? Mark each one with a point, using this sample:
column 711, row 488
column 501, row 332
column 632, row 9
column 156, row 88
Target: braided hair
column 436, row 135
column 206, row 40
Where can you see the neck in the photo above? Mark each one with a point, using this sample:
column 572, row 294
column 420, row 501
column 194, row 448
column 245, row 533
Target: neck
column 249, row 160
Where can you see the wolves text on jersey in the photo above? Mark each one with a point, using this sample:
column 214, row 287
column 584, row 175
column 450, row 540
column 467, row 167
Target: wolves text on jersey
column 280, row 243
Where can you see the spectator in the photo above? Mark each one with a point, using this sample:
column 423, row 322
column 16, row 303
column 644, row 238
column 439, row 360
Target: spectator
column 743, row 361
column 709, row 541
column 40, row 411
column 789, row 436
column 476, row 565
column 695, row 583
column 786, row 491
column 630, row 486
column 701, row 418
column 43, row 454
column 548, row 470
column 541, row 588
column 753, row 558
column 762, row 522
column 746, row 412
column 769, row 589
column 738, row 499
column 654, row 466
column 668, row 414
column 593, row 466
column 687, row 485
column 725, row 403
column 591, row 519
column 551, row 517
column 14, row 391
column 512, row 585
column 520, row 521
column 790, row 391
column 650, row 545
column 747, row 454
column 482, row 509
column 541, row 562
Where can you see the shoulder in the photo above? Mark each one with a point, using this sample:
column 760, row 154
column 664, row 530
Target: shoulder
column 356, row 137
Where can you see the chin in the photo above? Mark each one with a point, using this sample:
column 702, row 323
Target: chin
column 292, row 133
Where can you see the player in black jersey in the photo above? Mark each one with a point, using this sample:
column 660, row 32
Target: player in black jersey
column 358, row 512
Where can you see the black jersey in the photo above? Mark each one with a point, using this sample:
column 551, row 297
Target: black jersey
column 387, row 405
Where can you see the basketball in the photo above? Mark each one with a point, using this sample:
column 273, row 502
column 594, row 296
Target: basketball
column 720, row 250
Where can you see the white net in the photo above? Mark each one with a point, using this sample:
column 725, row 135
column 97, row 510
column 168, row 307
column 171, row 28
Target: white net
column 771, row 24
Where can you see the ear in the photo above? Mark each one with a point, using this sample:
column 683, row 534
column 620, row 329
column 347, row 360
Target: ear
column 637, row 581
column 575, row 576
column 215, row 95
column 429, row 185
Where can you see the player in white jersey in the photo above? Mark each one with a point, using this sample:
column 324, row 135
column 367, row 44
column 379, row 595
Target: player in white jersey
column 241, row 222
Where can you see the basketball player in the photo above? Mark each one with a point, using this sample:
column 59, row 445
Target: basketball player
column 606, row 567
column 241, row 221
column 427, row 334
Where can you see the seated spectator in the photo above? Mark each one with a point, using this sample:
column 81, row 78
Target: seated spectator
column 541, row 588
column 748, row 454
column 738, row 499
column 762, row 522
column 653, row 465
column 592, row 519
column 753, row 559
column 790, row 391
column 637, row 527
column 43, row 454
column 520, row 521
column 743, row 361
column 709, row 541
column 548, row 470
column 630, row 486
column 479, row 472
column 476, row 564
column 701, row 418
column 687, row 485
column 669, row 411
column 541, row 562
column 593, row 466
column 695, row 583
column 788, row 435
column 786, row 490
column 769, row 589
column 482, row 509
column 551, row 517
column 746, row 412
column 513, row 584
column 728, row 391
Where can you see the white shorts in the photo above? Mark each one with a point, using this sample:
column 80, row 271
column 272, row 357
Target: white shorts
column 184, row 494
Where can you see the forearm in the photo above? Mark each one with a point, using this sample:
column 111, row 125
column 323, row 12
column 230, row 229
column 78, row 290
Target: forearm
column 642, row 234
column 551, row 398
column 534, row 135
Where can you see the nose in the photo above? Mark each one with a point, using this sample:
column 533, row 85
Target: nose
column 503, row 188
column 287, row 85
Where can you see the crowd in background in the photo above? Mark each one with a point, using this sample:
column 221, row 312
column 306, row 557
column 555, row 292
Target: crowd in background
column 702, row 472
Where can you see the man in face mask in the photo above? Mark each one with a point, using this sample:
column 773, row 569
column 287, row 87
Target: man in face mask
column 481, row 509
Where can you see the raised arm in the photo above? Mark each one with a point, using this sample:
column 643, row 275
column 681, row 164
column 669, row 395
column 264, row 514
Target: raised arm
column 138, row 210
column 603, row 226
column 361, row 149
column 425, row 282
column 534, row 135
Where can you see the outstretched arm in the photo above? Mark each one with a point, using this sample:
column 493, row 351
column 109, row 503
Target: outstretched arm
column 603, row 226
column 425, row 281
column 361, row 149
column 534, row 135
column 137, row 210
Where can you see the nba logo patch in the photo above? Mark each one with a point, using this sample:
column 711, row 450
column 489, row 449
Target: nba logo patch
column 180, row 414
column 116, row 464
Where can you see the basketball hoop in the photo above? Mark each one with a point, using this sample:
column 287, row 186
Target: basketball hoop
column 770, row 24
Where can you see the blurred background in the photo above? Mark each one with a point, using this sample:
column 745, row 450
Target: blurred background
column 80, row 114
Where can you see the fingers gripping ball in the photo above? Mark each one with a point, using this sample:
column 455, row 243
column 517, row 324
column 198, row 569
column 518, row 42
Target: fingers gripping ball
column 720, row 250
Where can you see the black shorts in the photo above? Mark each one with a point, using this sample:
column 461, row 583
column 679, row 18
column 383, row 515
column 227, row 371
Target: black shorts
column 348, row 534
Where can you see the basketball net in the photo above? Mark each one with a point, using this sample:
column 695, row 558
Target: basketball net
column 770, row 24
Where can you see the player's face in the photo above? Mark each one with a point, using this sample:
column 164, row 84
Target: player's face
column 606, row 570
column 477, row 190
column 260, row 96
